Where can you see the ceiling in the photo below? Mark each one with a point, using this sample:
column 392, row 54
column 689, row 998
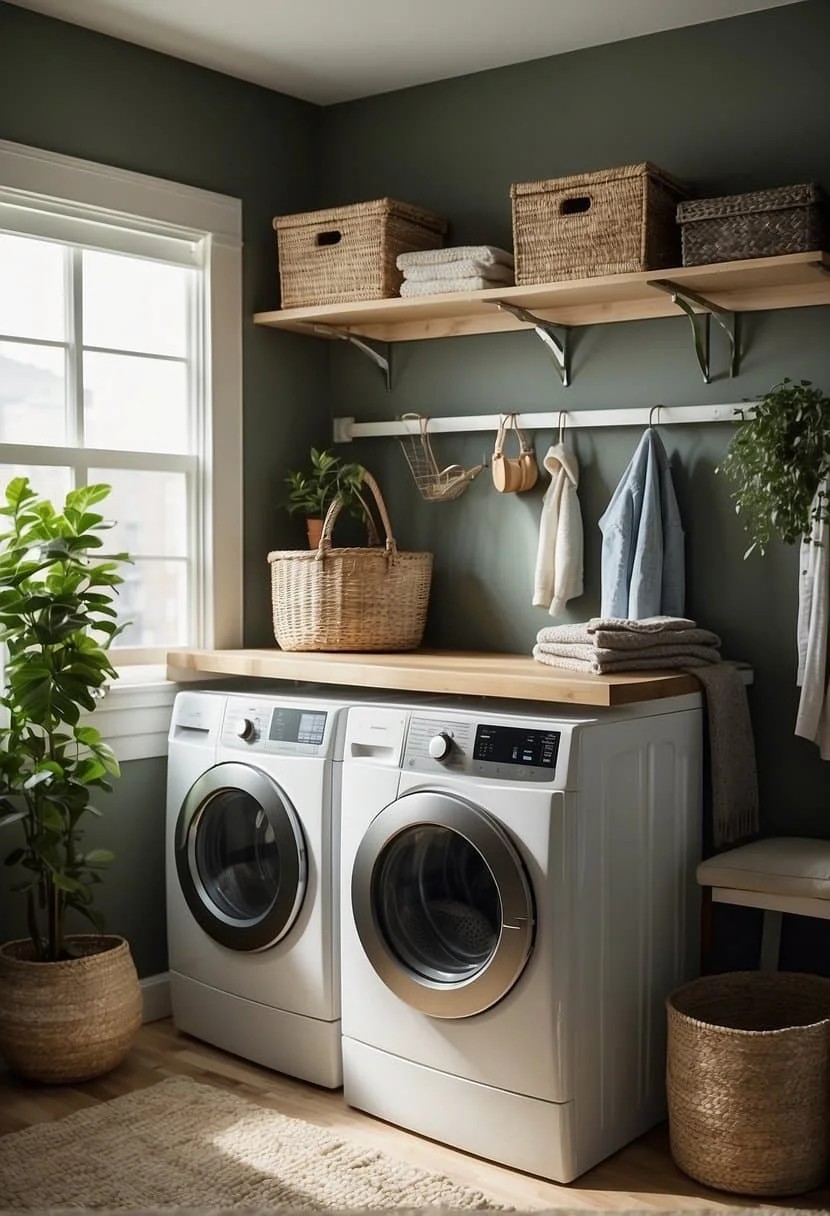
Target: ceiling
column 328, row 51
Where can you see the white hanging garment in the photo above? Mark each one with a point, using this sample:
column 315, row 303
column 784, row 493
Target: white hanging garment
column 559, row 556
column 813, row 719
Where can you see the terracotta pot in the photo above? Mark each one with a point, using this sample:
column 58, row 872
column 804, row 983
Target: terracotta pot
column 72, row 1020
column 314, row 529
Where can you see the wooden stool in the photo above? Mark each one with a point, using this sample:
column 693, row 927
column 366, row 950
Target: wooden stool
column 780, row 874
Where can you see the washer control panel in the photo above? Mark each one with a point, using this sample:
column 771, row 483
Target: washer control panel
column 263, row 726
column 481, row 749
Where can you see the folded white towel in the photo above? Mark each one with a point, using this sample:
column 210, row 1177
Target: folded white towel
column 437, row 287
column 468, row 268
column 487, row 255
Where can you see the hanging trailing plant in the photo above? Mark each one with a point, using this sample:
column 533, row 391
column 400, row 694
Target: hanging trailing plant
column 777, row 460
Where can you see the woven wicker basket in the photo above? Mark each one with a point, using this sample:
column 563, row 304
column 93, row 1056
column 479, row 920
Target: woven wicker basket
column 350, row 599
column 349, row 253
column 608, row 222
column 68, row 1021
column 748, row 1079
column 790, row 219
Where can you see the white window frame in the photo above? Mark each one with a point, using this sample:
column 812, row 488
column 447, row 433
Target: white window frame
column 72, row 191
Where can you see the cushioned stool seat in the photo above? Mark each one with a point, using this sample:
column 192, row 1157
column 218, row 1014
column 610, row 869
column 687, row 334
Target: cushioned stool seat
column 781, row 874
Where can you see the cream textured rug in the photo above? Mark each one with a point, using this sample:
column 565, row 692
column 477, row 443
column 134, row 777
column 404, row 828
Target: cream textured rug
column 179, row 1144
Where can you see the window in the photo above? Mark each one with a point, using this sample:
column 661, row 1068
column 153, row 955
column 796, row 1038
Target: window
column 120, row 324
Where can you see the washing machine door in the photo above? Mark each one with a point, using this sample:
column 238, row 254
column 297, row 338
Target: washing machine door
column 442, row 904
column 240, row 857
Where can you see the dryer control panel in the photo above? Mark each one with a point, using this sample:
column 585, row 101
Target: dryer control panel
column 481, row 749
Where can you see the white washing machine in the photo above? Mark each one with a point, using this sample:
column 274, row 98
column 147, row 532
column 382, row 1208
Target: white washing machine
column 252, row 910
column 518, row 898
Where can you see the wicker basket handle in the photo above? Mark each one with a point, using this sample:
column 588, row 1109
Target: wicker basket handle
column 336, row 506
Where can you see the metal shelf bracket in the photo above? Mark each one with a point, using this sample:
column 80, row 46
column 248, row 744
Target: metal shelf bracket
column 555, row 337
column 701, row 324
column 383, row 361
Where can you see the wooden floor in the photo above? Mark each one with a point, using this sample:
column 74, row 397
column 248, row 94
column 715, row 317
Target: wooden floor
column 641, row 1176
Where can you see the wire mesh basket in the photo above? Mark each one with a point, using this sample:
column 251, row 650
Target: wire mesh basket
column 433, row 484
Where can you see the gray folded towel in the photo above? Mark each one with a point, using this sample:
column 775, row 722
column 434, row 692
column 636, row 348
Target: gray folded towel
column 434, row 287
column 597, row 632
column 648, row 624
column 487, row 255
column 641, row 661
column 469, row 268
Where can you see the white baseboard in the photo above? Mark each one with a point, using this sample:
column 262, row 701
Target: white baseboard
column 155, row 989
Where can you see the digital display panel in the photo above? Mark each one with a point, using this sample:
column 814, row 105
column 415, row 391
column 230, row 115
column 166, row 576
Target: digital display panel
column 297, row 726
column 509, row 745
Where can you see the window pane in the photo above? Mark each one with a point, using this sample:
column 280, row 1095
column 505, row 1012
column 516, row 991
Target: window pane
column 134, row 404
column 48, row 481
column 31, row 288
column 149, row 510
column 132, row 304
column 154, row 599
column 32, row 393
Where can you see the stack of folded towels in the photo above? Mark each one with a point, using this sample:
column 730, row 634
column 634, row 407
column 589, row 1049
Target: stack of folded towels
column 461, row 268
column 606, row 644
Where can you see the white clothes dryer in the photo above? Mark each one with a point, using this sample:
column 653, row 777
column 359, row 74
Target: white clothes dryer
column 518, row 898
column 252, row 842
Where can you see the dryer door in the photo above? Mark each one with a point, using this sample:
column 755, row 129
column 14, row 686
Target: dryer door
column 442, row 904
column 240, row 857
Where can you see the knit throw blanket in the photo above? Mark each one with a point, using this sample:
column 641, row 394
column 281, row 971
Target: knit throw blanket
column 485, row 255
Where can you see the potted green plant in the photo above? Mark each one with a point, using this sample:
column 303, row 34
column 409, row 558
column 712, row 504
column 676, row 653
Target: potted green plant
column 777, row 459
column 70, row 1004
column 311, row 492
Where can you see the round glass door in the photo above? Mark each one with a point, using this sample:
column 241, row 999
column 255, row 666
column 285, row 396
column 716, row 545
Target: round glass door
column 240, row 857
column 442, row 904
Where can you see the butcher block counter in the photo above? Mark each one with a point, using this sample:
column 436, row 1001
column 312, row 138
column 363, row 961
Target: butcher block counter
column 459, row 672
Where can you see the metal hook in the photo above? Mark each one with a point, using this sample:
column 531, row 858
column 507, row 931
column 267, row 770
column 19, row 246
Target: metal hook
column 563, row 418
column 739, row 409
column 651, row 414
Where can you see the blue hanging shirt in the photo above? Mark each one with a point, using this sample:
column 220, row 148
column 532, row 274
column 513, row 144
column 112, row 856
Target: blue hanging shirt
column 643, row 560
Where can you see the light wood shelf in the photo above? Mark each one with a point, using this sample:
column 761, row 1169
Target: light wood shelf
column 795, row 280
column 465, row 673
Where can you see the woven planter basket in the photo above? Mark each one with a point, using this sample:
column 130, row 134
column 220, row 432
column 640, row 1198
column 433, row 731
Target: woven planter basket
column 72, row 1020
column 350, row 599
column 609, row 222
column 748, row 1078
column 349, row 253
column 789, row 219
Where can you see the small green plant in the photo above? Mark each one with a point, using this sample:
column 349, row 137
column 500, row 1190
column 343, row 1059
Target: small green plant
column 57, row 621
column 777, row 460
column 313, row 491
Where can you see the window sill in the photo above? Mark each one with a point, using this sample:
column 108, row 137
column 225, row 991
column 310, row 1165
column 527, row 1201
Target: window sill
column 134, row 716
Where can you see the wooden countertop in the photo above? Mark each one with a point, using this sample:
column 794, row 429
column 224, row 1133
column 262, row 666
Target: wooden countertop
column 439, row 671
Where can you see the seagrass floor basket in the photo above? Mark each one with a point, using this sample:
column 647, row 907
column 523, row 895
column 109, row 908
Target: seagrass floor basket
column 356, row 599
column 748, row 1080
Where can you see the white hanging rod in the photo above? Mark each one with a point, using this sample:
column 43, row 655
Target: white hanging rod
column 347, row 429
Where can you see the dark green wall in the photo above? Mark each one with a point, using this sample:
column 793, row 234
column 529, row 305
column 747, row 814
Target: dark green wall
column 70, row 90
column 730, row 106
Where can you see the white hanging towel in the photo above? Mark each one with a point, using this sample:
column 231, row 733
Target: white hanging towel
column 559, row 557
column 813, row 719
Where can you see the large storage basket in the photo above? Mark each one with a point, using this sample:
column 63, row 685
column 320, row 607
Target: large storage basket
column 608, row 222
column 349, row 253
column 350, row 599
column 789, row 219
column 748, row 1078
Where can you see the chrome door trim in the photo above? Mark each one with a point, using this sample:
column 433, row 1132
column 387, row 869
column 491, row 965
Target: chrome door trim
column 473, row 995
column 267, row 930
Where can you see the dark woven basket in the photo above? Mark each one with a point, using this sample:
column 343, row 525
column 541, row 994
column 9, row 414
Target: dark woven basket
column 789, row 219
column 748, row 1080
column 350, row 253
column 609, row 222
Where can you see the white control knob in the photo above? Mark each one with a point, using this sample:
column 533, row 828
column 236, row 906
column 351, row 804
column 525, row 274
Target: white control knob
column 245, row 728
column 440, row 746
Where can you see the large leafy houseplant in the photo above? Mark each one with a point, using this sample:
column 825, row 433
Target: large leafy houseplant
column 778, row 459
column 57, row 621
